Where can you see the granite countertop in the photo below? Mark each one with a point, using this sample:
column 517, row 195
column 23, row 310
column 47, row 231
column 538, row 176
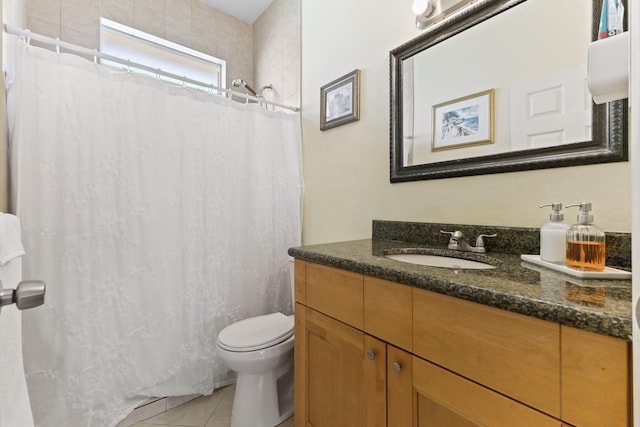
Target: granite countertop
column 601, row 306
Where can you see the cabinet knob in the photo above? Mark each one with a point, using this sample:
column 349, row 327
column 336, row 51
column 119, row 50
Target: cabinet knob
column 371, row 355
column 396, row 367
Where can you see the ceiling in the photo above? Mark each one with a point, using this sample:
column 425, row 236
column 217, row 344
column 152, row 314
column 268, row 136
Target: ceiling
column 245, row 10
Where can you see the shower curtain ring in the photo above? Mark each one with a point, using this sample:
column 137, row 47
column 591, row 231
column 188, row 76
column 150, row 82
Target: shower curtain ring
column 57, row 45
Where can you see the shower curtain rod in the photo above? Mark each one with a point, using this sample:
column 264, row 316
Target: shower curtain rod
column 59, row 44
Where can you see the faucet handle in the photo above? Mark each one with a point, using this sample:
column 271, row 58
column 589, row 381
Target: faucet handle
column 455, row 235
column 480, row 241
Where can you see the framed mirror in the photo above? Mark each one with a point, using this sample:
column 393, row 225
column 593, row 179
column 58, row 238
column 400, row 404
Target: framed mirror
column 501, row 87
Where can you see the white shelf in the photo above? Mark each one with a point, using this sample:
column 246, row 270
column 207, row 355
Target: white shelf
column 608, row 273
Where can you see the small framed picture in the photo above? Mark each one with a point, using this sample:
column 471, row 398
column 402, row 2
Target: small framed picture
column 463, row 122
column 340, row 101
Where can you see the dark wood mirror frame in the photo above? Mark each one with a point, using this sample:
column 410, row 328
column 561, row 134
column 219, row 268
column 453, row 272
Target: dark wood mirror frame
column 609, row 140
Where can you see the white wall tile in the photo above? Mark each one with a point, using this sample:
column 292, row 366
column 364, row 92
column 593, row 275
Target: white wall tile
column 45, row 25
column 79, row 22
column 277, row 51
column 44, row 17
column 49, row 7
column 149, row 16
column 178, row 16
column 266, row 53
column 80, row 14
column 86, row 37
column 118, row 11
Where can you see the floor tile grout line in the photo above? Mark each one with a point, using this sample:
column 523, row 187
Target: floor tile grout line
column 219, row 402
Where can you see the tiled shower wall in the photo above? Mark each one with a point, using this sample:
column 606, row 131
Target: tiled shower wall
column 276, row 51
column 187, row 22
column 267, row 52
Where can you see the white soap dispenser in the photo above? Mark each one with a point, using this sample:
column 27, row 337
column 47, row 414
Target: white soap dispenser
column 553, row 236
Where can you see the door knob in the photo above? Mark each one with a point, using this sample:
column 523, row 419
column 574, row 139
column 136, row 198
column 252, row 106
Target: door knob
column 28, row 294
column 396, row 367
column 371, row 355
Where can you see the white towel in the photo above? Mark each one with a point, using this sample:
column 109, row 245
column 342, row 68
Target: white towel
column 10, row 241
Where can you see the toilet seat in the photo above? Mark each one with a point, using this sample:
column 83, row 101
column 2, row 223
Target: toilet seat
column 256, row 333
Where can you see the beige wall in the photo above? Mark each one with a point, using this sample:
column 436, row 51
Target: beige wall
column 276, row 51
column 346, row 169
column 187, row 22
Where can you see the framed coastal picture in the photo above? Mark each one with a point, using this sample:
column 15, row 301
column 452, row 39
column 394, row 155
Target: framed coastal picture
column 463, row 122
column 340, row 101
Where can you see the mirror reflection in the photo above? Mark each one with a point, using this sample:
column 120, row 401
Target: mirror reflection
column 501, row 88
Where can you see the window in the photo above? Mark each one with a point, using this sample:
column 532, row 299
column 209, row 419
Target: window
column 142, row 48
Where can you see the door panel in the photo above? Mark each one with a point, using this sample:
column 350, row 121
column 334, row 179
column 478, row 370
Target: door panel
column 399, row 388
column 345, row 375
column 448, row 400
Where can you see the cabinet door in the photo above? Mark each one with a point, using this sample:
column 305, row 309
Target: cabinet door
column 342, row 380
column 399, row 388
column 444, row 399
column 595, row 379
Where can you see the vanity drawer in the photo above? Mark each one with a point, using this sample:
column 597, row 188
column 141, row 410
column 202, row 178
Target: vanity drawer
column 516, row 355
column 595, row 379
column 337, row 293
column 388, row 311
column 446, row 399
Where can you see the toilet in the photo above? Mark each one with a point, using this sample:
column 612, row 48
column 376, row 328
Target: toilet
column 260, row 350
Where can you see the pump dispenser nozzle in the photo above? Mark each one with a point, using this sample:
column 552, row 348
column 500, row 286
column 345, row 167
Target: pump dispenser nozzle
column 584, row 217
column 556, row 208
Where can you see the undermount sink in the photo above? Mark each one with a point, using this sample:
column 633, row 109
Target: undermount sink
column 440, row 261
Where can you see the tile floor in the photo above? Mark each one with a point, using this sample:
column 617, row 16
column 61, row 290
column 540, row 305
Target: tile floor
column 205, row 411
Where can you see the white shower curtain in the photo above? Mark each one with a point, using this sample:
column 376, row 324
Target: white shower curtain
column 157, row 215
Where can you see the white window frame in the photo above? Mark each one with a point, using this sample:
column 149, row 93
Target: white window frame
column 166, row 45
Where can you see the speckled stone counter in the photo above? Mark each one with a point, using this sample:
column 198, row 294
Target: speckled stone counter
column 601, row 306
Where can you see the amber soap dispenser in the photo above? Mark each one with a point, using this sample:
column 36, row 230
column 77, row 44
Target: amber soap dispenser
column 585, row 242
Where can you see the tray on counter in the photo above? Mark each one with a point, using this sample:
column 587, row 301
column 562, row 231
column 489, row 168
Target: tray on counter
column 608, row 273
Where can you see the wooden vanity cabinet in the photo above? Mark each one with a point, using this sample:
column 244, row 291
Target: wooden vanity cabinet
column 345, row 377
column 370, row 352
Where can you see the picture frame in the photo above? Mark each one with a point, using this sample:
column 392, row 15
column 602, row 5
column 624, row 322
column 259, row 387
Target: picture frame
column 463, row 122
column 340, row 101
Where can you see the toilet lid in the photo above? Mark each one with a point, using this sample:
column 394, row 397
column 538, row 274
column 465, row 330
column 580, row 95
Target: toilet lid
column 256, row 333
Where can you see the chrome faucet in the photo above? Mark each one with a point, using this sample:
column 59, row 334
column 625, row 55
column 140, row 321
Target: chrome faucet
column 458, row 242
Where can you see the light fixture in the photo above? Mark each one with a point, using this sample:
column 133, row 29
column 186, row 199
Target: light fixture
column 423, row 10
